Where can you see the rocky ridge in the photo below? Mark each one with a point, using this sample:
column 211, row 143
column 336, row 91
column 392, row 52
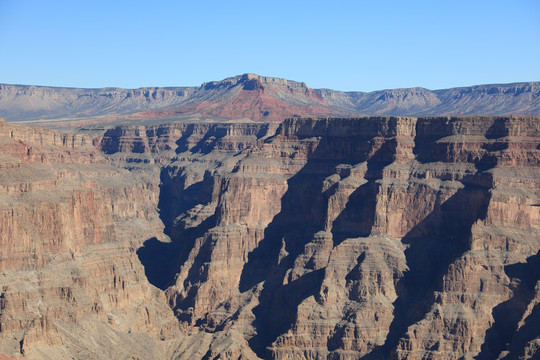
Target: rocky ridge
column 376, row 237
column 22, row 102
column 256, row 98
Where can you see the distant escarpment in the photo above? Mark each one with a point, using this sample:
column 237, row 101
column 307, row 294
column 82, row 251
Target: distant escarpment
column 316, row 238
column 255, row 98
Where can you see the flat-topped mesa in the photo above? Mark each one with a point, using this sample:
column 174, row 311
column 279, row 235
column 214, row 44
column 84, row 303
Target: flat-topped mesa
column 252, row 82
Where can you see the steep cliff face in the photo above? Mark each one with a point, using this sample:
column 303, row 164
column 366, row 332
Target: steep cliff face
column 71, row 283
column 343, row 238
column 388, row 237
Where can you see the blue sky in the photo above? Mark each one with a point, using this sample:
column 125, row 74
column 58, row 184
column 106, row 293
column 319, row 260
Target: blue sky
column 342, row 45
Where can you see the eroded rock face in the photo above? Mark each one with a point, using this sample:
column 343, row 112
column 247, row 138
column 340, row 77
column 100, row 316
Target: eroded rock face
column 250, row 97
column 386, row 237
column 71, row 283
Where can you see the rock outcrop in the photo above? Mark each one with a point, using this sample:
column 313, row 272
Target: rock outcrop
column 376, row 238
column 71, row 282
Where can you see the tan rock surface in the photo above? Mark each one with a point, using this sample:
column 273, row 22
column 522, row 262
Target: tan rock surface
column 71, row 283
column 388, row 237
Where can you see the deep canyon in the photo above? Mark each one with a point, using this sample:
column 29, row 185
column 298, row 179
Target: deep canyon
column 312, row 238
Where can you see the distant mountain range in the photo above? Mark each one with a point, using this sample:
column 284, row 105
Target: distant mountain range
column 257, row 98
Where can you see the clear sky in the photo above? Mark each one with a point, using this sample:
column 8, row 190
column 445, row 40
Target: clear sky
column 342, row 45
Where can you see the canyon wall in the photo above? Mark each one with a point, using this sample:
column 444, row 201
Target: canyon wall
column 72, row 285
column 375, row 238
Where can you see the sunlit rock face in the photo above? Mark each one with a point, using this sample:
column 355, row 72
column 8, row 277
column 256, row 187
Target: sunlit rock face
column 251, row 97
column 334, row 238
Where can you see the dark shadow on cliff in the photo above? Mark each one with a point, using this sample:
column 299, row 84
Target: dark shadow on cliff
column 341, row 329
column 439, row 240
column 304, row 210
column 182, row 143
column 303, row 213
column 301, row 216
column 527, row 333
column 507, row 315
column 206, row 144
column 429, row 149
column 175, row 198
column 435, row 243
column 182, row 195
column 358, row 217
column 162, row 260
column 186, row 241
column 278, row 308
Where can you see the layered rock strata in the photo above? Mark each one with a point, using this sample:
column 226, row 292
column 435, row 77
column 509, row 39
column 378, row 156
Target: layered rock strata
column 375, row 238
column 71, row 282
column 250, row 97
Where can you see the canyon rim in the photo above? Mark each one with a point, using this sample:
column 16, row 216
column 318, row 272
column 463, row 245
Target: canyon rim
column 257, row 218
